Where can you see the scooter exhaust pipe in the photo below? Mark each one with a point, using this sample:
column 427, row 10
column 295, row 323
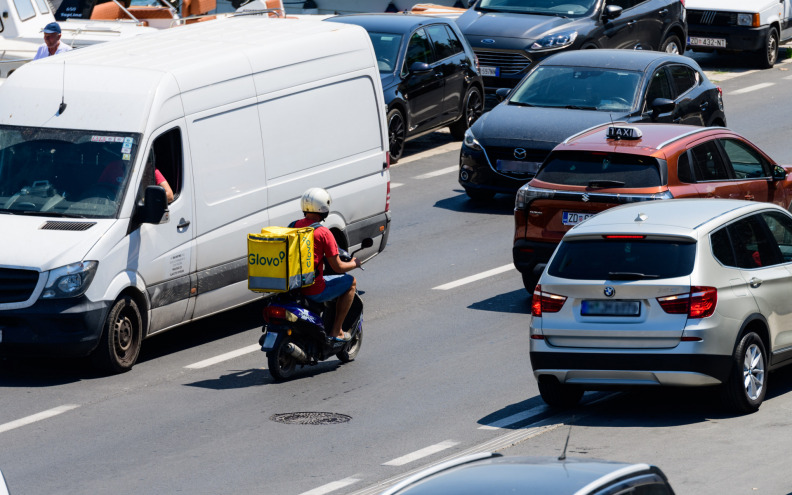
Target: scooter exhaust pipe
column 296, row 352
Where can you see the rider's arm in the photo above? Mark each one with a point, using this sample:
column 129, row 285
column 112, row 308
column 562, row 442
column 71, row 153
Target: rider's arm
column 339, row 266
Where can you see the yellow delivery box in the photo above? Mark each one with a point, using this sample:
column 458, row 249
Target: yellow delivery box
column 280, row 259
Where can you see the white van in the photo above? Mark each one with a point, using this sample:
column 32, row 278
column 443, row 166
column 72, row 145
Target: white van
column 759, row 26
column 240, row 116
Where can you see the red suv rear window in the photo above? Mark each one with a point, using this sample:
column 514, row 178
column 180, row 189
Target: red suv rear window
column 601, row 170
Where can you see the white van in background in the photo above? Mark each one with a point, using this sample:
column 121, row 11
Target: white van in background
column 759, row 26
column 240, row 115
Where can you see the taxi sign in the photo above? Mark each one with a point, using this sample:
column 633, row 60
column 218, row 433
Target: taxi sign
column 621, row 132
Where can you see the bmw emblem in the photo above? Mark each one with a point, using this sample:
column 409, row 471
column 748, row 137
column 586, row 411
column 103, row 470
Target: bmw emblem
column 609, row 291
column 488, row 41
column 520, row 153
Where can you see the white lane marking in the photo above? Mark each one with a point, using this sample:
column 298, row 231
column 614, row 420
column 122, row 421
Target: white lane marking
column 425, row 154
column 474, row 278
column 515, row 418
column 224, row 357
column 755, row 87
column 396, row 184
column 787, row 77
column 37, row 417
column 420, row 454
column 331, row 487
column 436, row 173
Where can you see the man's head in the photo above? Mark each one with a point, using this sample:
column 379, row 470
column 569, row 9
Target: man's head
column 316, row 200
column 52, row 34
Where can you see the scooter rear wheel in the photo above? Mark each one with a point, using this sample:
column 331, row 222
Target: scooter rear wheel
column 281, row 364
column 354, row 348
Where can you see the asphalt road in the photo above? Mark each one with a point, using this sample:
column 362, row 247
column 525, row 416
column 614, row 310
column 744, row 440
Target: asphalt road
column 443, row 371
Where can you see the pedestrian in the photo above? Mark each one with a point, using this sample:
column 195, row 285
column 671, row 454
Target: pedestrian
column 52, row 44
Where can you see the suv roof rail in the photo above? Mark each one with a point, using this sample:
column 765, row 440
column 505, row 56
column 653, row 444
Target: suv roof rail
column 573, row 136
column 690, row 133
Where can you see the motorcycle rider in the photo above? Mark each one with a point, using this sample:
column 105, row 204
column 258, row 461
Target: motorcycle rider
column 315, row 204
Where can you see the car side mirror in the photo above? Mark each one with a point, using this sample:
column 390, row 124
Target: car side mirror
column 779, row 173
column 611, row 12
column 502, row 93
column 661, row 106
column 154, row 207
column 420, row 68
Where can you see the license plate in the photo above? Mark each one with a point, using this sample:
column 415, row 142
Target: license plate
column 269, row 340
column 489, row 71
column 574, row 218
column 714, row 42
column 610, row 308
column 517, row 166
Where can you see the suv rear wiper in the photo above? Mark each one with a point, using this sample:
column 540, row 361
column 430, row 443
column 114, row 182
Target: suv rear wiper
column 629, row 276
column 601, row 183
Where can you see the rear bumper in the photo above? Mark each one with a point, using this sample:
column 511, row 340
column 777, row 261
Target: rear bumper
column 738, row 38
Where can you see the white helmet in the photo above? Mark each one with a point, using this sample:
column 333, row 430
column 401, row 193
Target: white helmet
column 316, row 200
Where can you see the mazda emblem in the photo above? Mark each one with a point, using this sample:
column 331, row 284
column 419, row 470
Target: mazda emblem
column 520, row 153
column 609, row 291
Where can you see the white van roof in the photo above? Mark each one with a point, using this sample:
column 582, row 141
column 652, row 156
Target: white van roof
column 179, row 71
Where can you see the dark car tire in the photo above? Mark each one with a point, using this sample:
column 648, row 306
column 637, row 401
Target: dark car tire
column 672, row 45
column 397, row 134
column 479, row 194
column 767, row 56
column 472, row 108
column 746, row 386
column 557, row 394
column 280, row 363
column 122, row 335
column 354, row 347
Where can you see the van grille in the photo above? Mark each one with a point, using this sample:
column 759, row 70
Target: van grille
column 17, row 285
column 711, row 18
column 511, row 62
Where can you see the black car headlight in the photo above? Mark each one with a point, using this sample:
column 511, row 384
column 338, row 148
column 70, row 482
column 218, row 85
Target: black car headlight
column 470, row 140
column 70, row 280
column 555, row 41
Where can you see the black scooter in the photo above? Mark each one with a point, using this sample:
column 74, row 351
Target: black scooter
column 294, row 329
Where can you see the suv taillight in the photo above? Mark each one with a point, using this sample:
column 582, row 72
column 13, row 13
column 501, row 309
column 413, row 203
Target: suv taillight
column 275, row 314
column 545, row 302
column 700, row 302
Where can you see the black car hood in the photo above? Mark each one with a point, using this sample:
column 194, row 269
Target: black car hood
column 509, row 125
column 506, row 25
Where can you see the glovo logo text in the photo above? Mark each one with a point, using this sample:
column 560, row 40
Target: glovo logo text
column 256, row 259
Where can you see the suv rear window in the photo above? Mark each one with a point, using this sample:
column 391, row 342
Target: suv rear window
column 619, row 259
column 594, row 169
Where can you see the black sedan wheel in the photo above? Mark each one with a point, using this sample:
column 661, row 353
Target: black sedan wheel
column 397, row 134
column 471, row 110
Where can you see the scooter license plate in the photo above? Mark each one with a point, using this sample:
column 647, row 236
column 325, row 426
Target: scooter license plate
column 269, row 341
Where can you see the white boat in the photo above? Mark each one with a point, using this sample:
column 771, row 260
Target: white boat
column 351, row 6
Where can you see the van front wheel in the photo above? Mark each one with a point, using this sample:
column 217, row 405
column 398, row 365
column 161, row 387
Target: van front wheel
column 122, row 335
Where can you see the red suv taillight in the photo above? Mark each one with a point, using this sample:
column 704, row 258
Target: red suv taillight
column 700, row 302
column 545, row 302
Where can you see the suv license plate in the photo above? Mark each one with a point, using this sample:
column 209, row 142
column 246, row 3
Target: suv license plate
column 715, row 42
column 610, row 308
column 574, row 218
column 489, row 71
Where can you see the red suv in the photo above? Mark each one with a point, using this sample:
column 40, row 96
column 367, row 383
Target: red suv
column 614, row 164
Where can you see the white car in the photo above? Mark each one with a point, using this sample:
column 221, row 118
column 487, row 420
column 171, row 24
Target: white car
column 690, row 292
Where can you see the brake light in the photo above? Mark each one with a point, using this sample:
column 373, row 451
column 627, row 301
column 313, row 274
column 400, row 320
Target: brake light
column 624, row 237
column 276, row 313
column 545, row 302
column 700, row 302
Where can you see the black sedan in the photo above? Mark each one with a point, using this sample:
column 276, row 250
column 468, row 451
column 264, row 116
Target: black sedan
column 573, row 91
column 429, row 75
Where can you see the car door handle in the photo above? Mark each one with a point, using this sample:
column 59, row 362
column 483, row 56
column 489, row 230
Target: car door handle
column 755, row 282
column 183, row 224
column 704, row 106
column 663, row 12
column 631, row 23
column 749, row 197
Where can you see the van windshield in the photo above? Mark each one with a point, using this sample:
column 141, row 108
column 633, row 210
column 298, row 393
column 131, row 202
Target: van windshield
column 63, row 172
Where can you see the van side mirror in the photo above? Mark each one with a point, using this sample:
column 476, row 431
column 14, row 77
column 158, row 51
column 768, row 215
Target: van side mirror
column 661, row 106
column 502, row 93
column 611, row 12
column 779, row 173
column 154, row 208
column 420, row 68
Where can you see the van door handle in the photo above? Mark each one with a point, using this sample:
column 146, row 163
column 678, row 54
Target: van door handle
column 755, row 282
column 183, row 224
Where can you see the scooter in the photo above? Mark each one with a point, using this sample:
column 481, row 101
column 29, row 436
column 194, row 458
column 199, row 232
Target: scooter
column 294, row 331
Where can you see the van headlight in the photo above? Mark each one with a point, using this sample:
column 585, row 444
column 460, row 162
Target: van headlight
column 70, row 280
column 555, row 41
column 470, row 140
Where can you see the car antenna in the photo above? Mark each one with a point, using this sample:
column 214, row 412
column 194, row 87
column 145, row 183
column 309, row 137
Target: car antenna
column 62, row 106
column 566, row 443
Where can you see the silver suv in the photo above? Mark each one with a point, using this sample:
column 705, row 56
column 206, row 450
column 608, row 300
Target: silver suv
column 679, row 293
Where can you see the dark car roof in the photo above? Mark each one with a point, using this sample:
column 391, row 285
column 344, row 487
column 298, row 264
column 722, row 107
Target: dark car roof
column 616, row 59
column 388, row 23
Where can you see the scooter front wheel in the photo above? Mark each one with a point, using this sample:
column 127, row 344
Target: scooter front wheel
column 354, row 347
column 281, row 364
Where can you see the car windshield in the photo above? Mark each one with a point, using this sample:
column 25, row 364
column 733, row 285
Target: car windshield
column 601, row 170
column 386, row 48
column 540, row 7
column 619, row 259
column 587, row 88
column 64, row 173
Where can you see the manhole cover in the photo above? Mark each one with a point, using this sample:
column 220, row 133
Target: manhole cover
column 310, row 418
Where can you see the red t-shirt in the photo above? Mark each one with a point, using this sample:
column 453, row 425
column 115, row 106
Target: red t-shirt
column 324, row 246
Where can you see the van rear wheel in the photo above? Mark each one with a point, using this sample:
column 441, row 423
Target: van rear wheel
column 122, row 335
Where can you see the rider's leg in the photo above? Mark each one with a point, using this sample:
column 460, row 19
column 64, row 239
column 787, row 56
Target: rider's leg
column 343, row 303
